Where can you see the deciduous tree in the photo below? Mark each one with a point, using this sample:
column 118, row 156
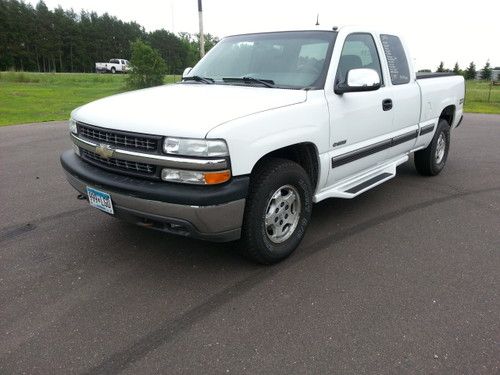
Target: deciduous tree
column 148, row 67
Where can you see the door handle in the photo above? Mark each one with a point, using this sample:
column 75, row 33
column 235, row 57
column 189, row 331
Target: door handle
column 387, row 104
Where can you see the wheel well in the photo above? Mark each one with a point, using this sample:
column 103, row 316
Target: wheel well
column 448, row 114
column 304, row 154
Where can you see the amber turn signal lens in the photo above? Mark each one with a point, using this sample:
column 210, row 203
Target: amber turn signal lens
column 212, row 178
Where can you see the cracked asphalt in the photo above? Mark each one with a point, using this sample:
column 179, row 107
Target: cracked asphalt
column 404, row 279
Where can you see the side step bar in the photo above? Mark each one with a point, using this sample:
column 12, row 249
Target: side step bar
column 368, row 183
column 353, row 186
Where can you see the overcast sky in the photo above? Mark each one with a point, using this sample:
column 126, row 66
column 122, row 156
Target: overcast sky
column 434, row 30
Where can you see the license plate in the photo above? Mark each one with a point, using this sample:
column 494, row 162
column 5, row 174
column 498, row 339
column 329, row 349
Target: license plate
column 100, row 200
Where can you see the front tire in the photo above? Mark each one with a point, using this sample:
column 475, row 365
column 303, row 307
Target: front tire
column 431, row 160
column 278, row 211
column 113, row 70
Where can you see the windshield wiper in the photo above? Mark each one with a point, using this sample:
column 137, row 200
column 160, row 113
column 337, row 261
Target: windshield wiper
column 198, row 79
column 265, row 82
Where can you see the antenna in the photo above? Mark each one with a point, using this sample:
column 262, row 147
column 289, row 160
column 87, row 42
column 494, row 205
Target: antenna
column 317, row 20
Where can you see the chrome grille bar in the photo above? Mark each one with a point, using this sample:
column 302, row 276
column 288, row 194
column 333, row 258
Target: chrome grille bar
column 119, row 164
column 139, row 142
column 175, row 162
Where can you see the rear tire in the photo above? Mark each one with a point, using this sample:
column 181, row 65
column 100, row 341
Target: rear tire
column 431, row 160
column 113, row 70
column 277, row 212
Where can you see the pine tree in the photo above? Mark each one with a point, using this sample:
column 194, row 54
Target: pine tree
column 456, row 69
column 36, row 38
column 486, row 72
column 470, row 72
column 440, row 68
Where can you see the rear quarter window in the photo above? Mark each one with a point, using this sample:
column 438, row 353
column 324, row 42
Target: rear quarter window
column 396, row 59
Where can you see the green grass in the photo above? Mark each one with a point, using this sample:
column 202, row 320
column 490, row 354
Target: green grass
column 477, row 96
column 38, row 97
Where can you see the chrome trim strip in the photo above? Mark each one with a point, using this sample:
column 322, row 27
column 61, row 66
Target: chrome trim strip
column 161, row 160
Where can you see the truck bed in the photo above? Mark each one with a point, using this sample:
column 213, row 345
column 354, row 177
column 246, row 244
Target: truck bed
column 435, row 75
column 445, row 89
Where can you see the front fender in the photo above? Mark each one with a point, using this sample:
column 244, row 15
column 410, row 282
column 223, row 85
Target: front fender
column 252, row 137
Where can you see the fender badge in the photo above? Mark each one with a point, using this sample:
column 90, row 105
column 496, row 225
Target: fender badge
column 105, row 151
column 340, row 143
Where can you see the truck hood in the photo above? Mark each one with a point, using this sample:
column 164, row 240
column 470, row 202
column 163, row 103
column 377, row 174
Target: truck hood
column 183, row 110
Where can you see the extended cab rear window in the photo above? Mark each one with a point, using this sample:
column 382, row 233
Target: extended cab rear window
column 396, row 59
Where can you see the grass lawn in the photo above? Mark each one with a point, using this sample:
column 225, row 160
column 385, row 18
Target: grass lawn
column 477, row 94
column 37, row 97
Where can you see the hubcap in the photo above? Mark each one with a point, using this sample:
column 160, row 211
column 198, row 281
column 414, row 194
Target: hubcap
column 440, row 148
column 282, row 214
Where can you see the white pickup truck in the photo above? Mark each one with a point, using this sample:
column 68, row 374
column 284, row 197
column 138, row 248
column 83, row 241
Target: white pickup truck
column 261, row 128
column 113, row 66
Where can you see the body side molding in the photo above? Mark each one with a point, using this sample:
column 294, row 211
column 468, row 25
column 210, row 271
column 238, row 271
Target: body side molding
column 426, row 129
column 349, row 157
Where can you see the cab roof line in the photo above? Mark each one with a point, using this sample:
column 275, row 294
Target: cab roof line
column 284, row 31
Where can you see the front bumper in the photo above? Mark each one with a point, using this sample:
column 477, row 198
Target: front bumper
column 212, row 213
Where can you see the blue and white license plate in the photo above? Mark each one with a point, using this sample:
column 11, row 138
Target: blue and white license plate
column 100, row 200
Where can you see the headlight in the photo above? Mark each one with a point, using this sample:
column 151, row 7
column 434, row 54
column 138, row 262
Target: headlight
column 195, row 147
column 72, row 126
column 195, row 177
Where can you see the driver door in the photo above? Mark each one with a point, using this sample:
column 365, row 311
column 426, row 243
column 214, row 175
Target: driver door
column 358, row 120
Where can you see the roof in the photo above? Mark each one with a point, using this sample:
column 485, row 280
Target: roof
column 286, row 31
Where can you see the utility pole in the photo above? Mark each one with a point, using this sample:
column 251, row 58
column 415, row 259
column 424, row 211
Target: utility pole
column 202, row 36
column 172, row 11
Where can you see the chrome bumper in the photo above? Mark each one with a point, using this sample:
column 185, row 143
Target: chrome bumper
column 218, row 223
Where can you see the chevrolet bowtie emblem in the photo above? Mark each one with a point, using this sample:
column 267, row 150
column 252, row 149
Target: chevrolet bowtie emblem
column 105, row 151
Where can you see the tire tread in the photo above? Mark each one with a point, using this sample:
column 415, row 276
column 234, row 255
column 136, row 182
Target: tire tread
column 424, row 159
column 265, row 173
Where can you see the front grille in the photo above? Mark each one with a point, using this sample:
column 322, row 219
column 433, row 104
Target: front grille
column 118, row 165
column 119, row 139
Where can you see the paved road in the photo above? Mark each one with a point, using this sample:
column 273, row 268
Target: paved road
column 403, row 279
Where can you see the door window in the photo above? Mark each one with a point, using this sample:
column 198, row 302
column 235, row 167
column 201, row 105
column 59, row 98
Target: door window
column 359, row 51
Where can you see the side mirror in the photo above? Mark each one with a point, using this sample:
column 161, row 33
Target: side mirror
column 359, row 80
column 186, row 72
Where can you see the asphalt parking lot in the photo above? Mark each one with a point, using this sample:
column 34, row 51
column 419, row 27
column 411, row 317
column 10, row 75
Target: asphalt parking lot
column 403, row 279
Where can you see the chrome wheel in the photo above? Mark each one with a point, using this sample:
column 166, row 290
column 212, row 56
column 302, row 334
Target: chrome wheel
column 440, row 148
column 282, row 214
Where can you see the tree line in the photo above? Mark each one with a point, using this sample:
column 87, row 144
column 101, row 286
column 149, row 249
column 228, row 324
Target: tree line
column 34, row 38
column 468, row 73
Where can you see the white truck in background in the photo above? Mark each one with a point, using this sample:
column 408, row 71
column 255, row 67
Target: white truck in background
column 261, row 128
column 113, row 66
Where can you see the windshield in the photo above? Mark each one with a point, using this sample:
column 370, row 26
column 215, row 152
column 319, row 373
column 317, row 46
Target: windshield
column 295, row 60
